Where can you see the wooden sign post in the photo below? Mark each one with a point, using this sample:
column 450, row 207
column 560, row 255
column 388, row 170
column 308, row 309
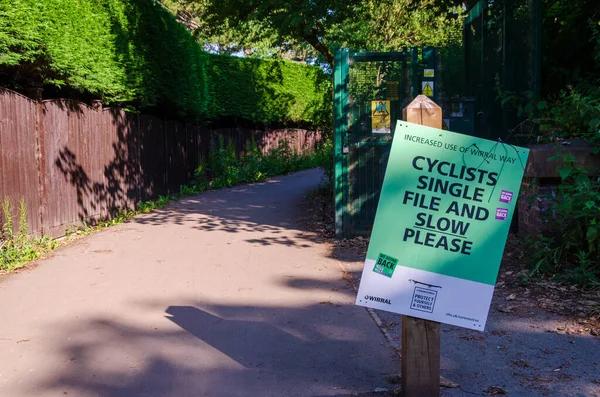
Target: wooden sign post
column 421, row 338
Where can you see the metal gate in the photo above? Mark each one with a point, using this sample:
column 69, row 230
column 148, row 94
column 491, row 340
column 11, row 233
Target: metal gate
column 370, row 91
column 502, row 44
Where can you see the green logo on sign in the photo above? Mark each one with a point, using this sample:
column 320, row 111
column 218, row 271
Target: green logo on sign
column 385, row 265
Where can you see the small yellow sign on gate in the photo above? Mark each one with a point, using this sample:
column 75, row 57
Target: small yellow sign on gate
column 428, row 88
column 380, row 117
column 429, row 73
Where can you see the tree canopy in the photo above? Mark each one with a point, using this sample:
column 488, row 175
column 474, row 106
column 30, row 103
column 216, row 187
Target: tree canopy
column 315, row 28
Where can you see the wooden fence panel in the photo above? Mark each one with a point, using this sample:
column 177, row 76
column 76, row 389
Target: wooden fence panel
column 192, row 135
column 181, row 157
column 133, row 165
column 62, row 169
column 152, row 156
column 175, row 141
column 91, row 139
column 203, row 142
column 121, row 164
column 18, row 151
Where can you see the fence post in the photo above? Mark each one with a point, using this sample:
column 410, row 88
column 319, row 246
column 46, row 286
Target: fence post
column 97, row 105
column 166, row 159
column 36, row 96
column 421, row 338
column 140, row 175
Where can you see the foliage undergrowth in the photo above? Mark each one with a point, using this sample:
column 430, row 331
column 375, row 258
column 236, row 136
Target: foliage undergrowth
column 224, row 169
column 571, row 251
column 569, row 248
column 18, row 248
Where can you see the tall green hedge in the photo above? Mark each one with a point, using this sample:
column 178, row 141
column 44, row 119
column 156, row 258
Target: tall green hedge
column 134, row 52
column 268, row 91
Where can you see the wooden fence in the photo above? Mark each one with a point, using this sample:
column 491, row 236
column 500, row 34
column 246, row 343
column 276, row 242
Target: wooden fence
column 73, row 163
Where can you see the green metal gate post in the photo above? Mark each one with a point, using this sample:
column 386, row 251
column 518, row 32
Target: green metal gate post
column 536, row 22
column 502, row 51
column 340, row 111
column 430, row 62
column 414, row 80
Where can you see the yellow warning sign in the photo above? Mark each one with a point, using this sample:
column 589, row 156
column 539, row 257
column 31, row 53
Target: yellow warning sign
column 380, row 117
column 428, row 88
column 428, row 73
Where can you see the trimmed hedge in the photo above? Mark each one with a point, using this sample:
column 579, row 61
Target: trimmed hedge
column 268, row 91
column 134, row 53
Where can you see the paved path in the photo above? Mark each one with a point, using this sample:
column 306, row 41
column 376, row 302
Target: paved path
column 218, row 295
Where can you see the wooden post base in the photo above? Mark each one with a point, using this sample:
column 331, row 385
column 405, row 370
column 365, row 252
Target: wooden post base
column 420, row 357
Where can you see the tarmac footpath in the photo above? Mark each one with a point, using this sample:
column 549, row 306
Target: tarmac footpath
column 220, row 294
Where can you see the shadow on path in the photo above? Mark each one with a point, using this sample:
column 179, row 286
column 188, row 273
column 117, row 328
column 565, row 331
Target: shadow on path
column 220, row 350
column 268, row 208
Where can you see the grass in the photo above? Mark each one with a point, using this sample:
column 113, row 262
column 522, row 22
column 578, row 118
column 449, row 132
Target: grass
column 121, row 216
column 19, row 248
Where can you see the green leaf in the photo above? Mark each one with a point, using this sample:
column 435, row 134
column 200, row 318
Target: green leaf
column 555, row 157
column 569, row 158
column 506, row 100
column 590, row 204
column 592, row 234
column 565, row 172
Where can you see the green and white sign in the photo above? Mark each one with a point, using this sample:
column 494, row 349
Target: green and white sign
column 441, row 225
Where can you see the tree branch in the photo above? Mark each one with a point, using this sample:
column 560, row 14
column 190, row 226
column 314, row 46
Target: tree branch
column 313, row 40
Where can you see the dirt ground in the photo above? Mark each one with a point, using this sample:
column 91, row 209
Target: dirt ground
column 541, row 339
